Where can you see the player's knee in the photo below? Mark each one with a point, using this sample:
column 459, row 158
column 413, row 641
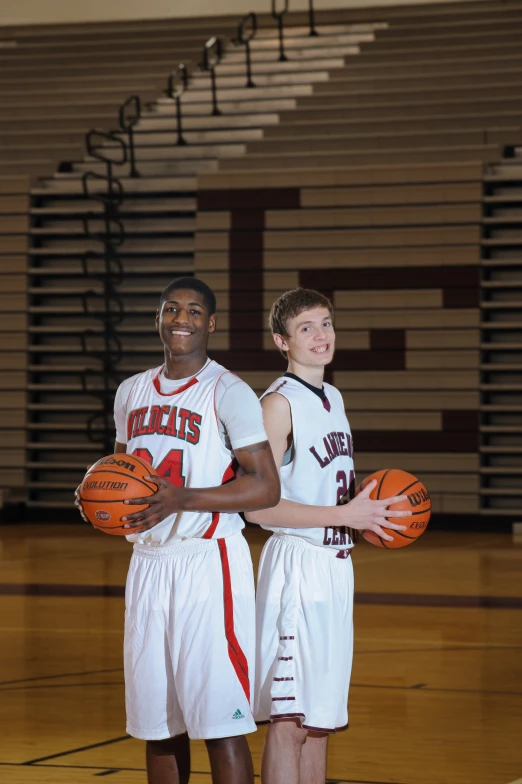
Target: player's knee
column 163, row 748
column 289, row 731
column 226, row 744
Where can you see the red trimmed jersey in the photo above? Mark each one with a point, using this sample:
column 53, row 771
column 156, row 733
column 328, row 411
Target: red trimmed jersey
column 178, row 434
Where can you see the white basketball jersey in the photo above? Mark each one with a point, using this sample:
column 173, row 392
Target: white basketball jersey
column 321, row 467
column 178, row 433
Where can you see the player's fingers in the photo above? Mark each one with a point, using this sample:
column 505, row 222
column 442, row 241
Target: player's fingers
column 394, row 526
column 368, row 489
column 135, row 516
column 134, row 501
column 394, row 500
column 393, row 513
column 141, row 522
column 382, row 533
column 131, row 526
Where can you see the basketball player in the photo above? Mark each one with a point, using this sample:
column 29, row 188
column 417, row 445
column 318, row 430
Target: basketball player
column 305, row 585
column 190, row 613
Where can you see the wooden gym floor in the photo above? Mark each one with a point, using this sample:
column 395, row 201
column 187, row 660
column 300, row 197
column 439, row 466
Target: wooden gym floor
column 436, row 694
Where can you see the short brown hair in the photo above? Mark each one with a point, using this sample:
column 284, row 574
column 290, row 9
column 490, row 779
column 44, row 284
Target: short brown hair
column 291, row 304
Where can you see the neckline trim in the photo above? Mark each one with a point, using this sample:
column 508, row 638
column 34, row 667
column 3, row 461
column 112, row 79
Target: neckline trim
column 190, row 383
column 321, row 394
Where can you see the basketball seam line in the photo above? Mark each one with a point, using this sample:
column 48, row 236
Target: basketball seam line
column 108, row 501
column 417, row 481
column 382, row 480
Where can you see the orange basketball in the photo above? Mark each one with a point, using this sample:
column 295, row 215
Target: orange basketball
column 107, row 484
column 391, row 482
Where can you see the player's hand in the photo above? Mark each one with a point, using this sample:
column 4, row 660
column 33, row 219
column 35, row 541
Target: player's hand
column 78, row 503
column 164, row 502
column 364, row 514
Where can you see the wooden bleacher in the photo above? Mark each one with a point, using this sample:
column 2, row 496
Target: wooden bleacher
column 358, row 167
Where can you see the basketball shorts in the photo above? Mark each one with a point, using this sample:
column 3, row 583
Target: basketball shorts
column 190, row 639
column 304, row 634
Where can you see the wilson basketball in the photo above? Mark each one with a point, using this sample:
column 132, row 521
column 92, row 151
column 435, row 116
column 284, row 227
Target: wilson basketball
column 392, row 482
column 107, row 484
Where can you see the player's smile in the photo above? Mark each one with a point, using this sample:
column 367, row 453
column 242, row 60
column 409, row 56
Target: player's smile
column 321, row 349
column 184, row 323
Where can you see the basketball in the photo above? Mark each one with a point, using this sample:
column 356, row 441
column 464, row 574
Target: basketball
column 392, row 482
column 105, row 487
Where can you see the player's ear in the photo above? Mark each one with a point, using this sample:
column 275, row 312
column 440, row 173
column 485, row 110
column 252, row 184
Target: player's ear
column 157, row 319
column 280, row 342
column 212, row 323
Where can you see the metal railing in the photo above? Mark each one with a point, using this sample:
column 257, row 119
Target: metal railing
column 245, row 34
column 279, row 17
column 106, row 267
column 127, row 124
column 177, row 85
column 311, row 18
column 212, row 54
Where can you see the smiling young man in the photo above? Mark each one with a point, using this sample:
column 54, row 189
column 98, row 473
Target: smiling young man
column 190, row 616
column 305, row 585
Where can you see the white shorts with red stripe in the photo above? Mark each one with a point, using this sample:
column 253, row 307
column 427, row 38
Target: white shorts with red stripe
column 190, row 639
column 304, row 634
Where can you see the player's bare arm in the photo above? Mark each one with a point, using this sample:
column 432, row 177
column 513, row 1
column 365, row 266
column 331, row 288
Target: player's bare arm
column 361, row 513
column 257, row 486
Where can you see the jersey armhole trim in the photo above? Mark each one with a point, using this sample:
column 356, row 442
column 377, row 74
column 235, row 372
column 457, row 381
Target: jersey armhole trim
column 215, row 392
column 125, row 409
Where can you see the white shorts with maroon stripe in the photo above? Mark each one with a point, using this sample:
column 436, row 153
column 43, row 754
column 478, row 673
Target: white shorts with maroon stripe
column 190, row 639
column 304, row 634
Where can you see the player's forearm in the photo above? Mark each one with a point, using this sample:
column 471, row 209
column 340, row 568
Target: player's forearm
column 251, row 491
column 290, row 514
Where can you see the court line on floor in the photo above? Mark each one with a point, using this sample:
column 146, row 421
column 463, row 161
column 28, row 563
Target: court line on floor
column 60, row 685
column 436, row 648
column 413, row 641
column 62, row 589
column 61, row 675
column 76, row 751
column 425, row 687
column 417, row 687
column 195, row 772
column 362, row 597
column 38, row 629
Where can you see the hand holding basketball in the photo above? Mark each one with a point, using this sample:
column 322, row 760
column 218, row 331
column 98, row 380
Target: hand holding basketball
column 364, row 514
column 164, row 502
column 413, row 497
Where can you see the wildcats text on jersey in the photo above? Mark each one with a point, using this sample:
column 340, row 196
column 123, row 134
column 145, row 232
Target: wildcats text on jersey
column 164, row 421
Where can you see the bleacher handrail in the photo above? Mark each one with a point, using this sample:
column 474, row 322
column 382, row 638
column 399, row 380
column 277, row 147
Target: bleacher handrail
column 111, row 235
column 127, row 126
column 213, row 48
column 180, row 77
column 279, row 16
column 114, row 188
column 212, row 54
column 108, row 136
column 311, row 18
column 244, row 39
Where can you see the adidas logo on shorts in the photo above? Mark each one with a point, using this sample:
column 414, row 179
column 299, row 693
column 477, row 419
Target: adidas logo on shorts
column 238, row 715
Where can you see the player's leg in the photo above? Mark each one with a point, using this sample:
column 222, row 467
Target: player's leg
column 284, row 745
column 230, row 760
column 212, row 640
column 313, row 759
column 153, row 710
column 168, row 761
column 307, row 677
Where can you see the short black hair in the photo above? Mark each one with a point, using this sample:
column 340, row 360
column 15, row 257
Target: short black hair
column 193, row 284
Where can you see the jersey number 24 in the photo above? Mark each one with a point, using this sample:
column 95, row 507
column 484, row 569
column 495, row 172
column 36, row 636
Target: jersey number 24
column 171, row 467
